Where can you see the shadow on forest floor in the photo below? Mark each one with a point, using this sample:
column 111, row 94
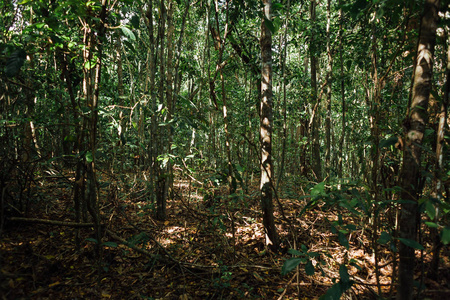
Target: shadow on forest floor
column 214, row 252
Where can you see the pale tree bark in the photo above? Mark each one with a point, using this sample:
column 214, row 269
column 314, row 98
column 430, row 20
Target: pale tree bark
column 172, row 86
column 284, row 111
column 148, row 88
column 437, row 244
column 415, row 124
column 266, row 129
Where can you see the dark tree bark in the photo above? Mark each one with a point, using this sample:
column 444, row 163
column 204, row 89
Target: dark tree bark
column 415, row 123
column 328, row 101
column 266, row 129
column 160, row 184
column 316, row 161
column 342, row 138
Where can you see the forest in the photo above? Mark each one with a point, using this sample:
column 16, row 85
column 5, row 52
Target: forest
column 224, row 149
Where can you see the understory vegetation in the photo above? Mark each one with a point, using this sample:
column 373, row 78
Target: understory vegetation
column 161, row 149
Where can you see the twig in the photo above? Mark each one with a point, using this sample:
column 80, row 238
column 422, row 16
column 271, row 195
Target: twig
column 287, row 285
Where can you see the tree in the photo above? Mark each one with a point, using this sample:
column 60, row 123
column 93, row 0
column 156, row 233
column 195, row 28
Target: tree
column 266, row 119
column 415, row 123
column 315, row 154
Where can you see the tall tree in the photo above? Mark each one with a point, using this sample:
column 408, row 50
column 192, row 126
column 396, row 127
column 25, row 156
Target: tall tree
column 266, row 119
column 328, row 101
column 415, row 124
column 438, row 188
column 316, row 162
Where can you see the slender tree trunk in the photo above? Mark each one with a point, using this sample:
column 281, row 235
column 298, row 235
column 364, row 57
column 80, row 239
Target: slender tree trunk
column 316, row 161
column 160, row 185
column 93, row 39
column 329, row 86
column 374, row 98
column 415, row 123
column 219, row 67
column 168, row 174
column 284, row 112
column 341, row 141
column 437, row 244
column 266, row 129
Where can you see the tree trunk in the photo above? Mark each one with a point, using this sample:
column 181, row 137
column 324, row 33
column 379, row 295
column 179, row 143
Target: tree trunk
column 93, row 39
column 329, row 86
column 160, row 185
column 316, row 162
column 231, row 185
column 342, row 138
column 415, row 123
column 437, row 244
column 284, row 111
column 266, row 129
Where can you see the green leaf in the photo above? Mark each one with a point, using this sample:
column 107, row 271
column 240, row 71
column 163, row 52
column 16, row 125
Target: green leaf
column 277, row 5
column 384, row 238
column 39, row 25
column 431, row 224
column 89, row 157
column 90, row 64
column 343, row 273
column 128, row 33
column 129, row 45
column 333, row 293
column 343, row 240
column 445, row 235
column 430, row 210
column 318, row 189
column 411, row 243
column 135, row 21
column 388, row 142
column 289, row 265
column 70, row 138
column 295, row 252
column 309, row 268
column 435, row 94
column 24, row 2
column 313, row 254
column 110, row 244
column 269, row 24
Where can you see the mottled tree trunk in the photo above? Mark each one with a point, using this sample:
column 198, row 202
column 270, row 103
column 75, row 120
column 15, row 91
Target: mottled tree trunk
column 328, row 101
column 266, row 129
column 415, row 123
column 284, row 110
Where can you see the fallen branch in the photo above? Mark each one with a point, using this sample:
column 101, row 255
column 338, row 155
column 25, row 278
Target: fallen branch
column 51, row 222
column 129, row 245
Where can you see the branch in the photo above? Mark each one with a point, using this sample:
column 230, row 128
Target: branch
column 51, row 222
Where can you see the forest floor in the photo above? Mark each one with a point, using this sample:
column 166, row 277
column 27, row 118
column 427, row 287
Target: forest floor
column 204, row 250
